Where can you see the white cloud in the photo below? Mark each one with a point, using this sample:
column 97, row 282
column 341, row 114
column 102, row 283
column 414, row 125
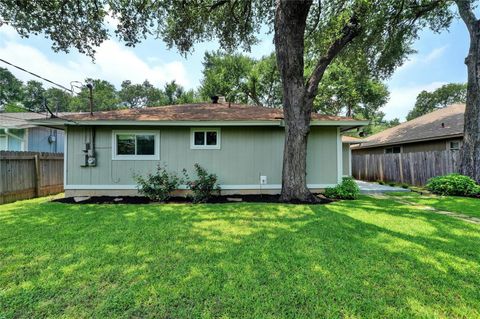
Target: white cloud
column 402, row 99
column 114, row 63
column 421, row 59
column 435, row 54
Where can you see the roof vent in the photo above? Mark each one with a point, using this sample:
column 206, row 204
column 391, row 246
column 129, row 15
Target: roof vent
column 214, row 99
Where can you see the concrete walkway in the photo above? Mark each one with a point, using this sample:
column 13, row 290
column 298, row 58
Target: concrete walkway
column 374, row 188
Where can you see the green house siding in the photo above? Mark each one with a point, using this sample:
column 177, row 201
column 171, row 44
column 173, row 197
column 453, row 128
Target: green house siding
column 245, row 154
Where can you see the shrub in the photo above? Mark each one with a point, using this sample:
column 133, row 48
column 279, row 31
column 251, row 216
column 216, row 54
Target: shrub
column 159, row 185
column 348, row 189
column 204, row 186
column 453, row 184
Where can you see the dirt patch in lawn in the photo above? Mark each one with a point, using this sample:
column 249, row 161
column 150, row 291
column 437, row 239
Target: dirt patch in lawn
column 185, row 200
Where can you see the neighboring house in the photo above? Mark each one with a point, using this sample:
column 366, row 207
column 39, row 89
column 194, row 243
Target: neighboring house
column 242, row 144
column 18, row 134
column 436, row 131
column 347, row 143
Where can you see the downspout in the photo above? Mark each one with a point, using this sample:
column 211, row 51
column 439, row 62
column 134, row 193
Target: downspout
column 7, row 132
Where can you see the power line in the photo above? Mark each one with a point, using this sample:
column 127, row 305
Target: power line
column 36, row 75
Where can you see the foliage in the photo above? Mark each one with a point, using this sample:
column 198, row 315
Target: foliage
column 347, row 189
column 204, row 186
column 453, row 184
column 241, row 79
column 140, row 95
column 16, row 96
column 159, row 185
column 71, row 261
column 445, row 95
column 11, row 90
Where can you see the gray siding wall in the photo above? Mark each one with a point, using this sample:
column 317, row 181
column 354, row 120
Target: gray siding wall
column 38, row 140
column 245, row 154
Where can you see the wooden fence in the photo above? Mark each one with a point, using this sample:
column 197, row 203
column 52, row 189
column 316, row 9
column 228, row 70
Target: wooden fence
column 409, row 168
column 29, row 174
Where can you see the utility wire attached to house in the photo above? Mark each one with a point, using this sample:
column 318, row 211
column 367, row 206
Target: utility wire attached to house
column 36, row 75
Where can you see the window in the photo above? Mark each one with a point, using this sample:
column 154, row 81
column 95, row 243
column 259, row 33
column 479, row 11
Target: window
column 205, row 139
column 454, row 145
column 3, row 142
column 393, row 150
column 135, row 145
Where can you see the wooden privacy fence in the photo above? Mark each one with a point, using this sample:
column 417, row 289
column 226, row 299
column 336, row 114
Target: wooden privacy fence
column 29, row 174
column 409, row 168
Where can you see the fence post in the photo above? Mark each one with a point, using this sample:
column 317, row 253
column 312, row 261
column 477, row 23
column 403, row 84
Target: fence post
column 37, row 175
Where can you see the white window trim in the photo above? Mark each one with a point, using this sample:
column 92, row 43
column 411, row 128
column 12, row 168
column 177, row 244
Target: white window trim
column 385, row 149
column 205, row 147
column 116, row 157
column 454, row 149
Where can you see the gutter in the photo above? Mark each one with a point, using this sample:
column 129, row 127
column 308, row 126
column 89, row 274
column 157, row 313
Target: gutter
column 426, row 139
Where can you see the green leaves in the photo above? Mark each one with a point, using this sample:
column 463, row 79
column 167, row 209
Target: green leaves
column 430, row 101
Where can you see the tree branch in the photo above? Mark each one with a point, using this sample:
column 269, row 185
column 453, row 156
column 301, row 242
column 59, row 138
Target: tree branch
column 349, row 32
column 468, row 16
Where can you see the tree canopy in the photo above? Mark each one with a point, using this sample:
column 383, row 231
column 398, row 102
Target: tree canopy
column 445, row 95
column 16, row 96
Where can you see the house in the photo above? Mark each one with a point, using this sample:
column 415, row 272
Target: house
column 436, row 131
column 18, row 134
column 242, row 144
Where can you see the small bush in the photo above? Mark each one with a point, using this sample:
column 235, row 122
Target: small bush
column 381, row 182
column 204, row 186
column 453, row 184
column 159, row 185
column 348, row 189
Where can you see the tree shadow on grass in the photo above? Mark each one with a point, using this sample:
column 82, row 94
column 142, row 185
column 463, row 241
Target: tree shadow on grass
column 365, row 258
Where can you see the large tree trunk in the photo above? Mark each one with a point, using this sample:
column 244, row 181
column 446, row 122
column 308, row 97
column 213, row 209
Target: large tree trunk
column 470, row 151
column 290, row 22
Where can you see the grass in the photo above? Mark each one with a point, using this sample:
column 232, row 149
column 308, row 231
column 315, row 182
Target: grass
column 456, row 204
column 364, row 258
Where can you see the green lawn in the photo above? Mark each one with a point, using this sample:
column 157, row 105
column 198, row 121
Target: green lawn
column 364, row 258
column 463, row 205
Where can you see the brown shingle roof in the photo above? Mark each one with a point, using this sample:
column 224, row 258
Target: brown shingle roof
column 426, row 127
column 351, row 140
column 197, row 112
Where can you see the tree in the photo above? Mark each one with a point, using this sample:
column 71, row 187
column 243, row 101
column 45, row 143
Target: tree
column 470, row 151
column 176, row 94
column 57, row 99
column 445, row 95
column 241, row 79
column 382, row 29
column 33, row 96
column 11, row 90
column 140, row 95
column 351, row 92
column 105, row 97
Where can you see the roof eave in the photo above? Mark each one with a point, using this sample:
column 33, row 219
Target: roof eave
column 345, row 125
column 442, row 137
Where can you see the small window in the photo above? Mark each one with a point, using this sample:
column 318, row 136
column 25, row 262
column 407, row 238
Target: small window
column 135, row 145
column 454, row 145
column 393, row 150
column 205, row 139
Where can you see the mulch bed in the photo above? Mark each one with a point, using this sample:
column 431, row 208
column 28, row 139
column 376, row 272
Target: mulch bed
column 184, row 200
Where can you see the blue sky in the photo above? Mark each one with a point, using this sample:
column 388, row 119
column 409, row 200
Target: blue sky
column 439, row 60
